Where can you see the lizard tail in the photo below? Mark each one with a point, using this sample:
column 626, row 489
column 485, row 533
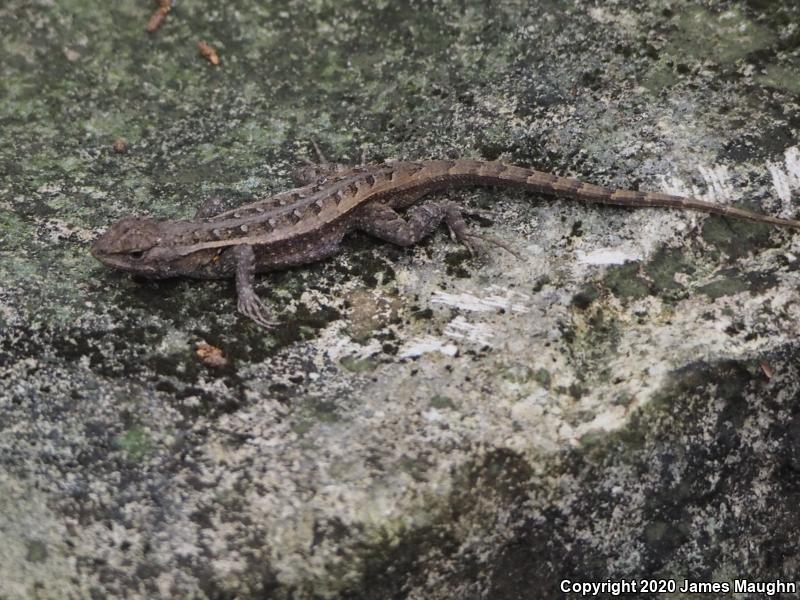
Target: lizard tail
column 498, row 173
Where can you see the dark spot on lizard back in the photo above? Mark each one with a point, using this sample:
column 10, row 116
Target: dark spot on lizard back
column 414, row 167
column 493, row 168
column 449, row 164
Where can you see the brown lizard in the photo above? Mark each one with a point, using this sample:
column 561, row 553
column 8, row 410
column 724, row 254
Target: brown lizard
column 307, row 224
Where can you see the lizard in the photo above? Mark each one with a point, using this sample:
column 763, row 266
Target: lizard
column 308, row 224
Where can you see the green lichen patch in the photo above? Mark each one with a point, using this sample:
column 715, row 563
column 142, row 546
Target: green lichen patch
column 37, row 551
column 14, row 232
column 662, row 268
column 441, row 402
column 699, row 36
column 593, row 339
column 736, row 239
column 358, row 365
column 321, row 411
column 368, row 313
column 584, row 298
column 136, row 443
column 626, row 282
column 733, row 282
column 782, row 77
column 542, row 377
column 517, row 372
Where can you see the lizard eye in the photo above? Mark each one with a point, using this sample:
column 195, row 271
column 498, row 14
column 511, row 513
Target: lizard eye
column 137, row 254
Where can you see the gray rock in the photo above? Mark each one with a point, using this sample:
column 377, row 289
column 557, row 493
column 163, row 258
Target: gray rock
column 620, row 405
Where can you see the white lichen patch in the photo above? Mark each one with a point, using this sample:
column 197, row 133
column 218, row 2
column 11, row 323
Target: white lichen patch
column 786, row 178
column 338, row 344
column 623, row 19
column 490, row 300
column 474, row 333
column 717, row 187
column 608, row 256
column 416, row 347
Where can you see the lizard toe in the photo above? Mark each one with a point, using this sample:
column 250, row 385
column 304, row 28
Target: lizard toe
column 499, row 243
column 476, row 248
column 252, row 307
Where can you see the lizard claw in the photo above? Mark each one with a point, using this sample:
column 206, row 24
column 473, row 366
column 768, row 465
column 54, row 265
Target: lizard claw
column 472, row 241
column 453, row 235
column 499, row 243
column 473, row 246
column 320, row 155
column 477, row 212
column 251, row 306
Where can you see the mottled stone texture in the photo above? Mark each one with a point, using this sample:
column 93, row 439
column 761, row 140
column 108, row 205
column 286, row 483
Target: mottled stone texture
column 622, row 403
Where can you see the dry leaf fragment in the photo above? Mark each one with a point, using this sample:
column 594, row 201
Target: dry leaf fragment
column 155, row 21
column 211, row 356
column 120, row 146
column 767, row 369
column 157, row 18
column 208, row 52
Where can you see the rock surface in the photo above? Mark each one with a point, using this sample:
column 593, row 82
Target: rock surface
column 621, row 404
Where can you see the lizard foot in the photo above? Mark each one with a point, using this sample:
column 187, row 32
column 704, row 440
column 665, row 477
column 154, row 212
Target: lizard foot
column 459, row 231
column 497, row 242
column 251, row 306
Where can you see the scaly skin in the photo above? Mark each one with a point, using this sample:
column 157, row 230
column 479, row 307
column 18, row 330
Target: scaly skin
column 307, row 224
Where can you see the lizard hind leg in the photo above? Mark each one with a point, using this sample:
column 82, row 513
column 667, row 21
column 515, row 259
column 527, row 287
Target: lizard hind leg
column 384, row 222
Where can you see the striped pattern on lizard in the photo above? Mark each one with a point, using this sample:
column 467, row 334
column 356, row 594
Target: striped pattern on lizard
column 307, row 224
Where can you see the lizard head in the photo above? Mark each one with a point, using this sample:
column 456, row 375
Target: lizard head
column 135, row 245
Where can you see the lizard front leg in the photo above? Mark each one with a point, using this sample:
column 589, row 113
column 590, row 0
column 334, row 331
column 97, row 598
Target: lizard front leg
column 248, row 302
column 317, row 172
